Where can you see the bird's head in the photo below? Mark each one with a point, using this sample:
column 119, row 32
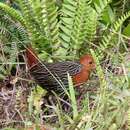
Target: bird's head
column 88, row 62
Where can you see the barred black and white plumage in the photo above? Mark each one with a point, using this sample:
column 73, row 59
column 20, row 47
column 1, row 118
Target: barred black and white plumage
column 53, row 76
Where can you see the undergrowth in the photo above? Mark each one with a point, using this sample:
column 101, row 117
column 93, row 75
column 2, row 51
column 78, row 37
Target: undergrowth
column 61, row 30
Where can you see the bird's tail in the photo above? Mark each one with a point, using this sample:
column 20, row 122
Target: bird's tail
column 31, row 56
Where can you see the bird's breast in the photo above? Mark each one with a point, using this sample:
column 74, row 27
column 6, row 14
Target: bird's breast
column 81, row 77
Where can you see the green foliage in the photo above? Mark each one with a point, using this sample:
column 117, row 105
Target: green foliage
column 50, row 22
column 13, row 13
column 12, row 36
column 75, row 24
column 67, row 29
column 35, row 30
column 42, row 22
column 71, row 28
column 80, row 30
column 68, row 13
column 107, row 39
column 78, row 24
column 101, row 6
column 72, row 97
column 127, row 30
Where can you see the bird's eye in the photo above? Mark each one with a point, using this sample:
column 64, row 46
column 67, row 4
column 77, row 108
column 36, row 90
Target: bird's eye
column 90, row 62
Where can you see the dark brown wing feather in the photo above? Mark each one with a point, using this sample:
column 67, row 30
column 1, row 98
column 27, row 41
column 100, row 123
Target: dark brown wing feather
column 53, row 76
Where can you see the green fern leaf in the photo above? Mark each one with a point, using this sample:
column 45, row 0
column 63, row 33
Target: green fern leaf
column 84, row 22
column 106, row 41
column 68, row 13
column 13, row 13
column 50, row 22
column 102, row 6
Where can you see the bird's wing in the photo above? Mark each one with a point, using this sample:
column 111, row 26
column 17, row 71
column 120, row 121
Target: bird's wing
column 72, row 68
column 52, row 76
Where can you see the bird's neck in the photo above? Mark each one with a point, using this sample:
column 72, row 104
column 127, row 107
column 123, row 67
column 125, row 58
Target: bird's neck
column 81, row 77
column 86, row 72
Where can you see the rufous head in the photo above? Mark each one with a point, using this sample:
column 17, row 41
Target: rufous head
column 88, row 62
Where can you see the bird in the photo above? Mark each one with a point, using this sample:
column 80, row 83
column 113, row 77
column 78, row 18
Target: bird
column 54, row 76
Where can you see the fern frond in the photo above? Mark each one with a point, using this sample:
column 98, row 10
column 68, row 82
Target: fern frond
column 106, row 41
column 13, row 13
column 67, row 18
column 12, row 36
column 42, row 21
column 102, row 6
column 78, row 23
column 50, row 22
column 31, row 23
column 12, row 32
column 90, row 24
column 10, row 26
column 84, row 25
column 37, row 13
column 78, row 34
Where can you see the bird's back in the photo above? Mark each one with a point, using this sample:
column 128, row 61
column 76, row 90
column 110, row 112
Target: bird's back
column 53, row 76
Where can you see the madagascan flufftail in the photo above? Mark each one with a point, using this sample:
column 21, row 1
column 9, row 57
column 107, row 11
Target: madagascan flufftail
column 53, row 76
